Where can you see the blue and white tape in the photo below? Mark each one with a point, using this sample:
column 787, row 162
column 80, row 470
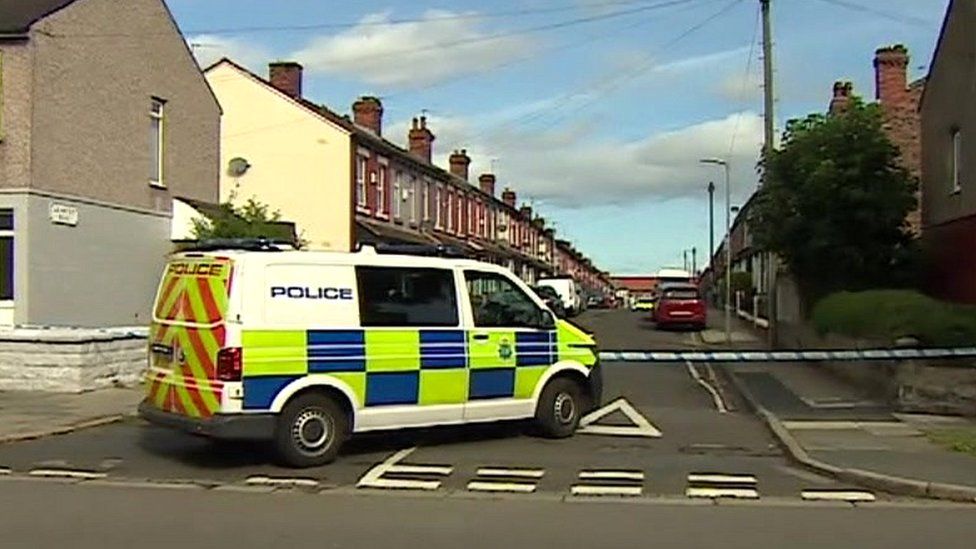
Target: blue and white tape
column 785, row 356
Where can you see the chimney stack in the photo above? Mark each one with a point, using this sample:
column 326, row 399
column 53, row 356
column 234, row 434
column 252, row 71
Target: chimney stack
column 891, row 75
column 842, row 97
column 367, row 112
column 526, row 212
column 487, row 183
column 459, row 162
column 421, row 139
column 508, row 197
column 286, row 77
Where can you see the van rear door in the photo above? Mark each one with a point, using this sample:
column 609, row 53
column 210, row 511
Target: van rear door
column 187, row 334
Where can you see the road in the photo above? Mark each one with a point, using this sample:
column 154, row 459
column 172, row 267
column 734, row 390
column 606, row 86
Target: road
column 42, row 515
column 713, row 475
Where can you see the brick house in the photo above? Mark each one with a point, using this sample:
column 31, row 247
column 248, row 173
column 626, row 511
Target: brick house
column 373, row 190
column 948, row 122
column 105, row 120
column 899, row 101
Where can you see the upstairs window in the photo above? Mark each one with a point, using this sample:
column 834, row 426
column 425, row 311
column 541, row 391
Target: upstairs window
column 157, row 128
column 397, row 197
column 6, row 254
column 381, row 207
column 361, row 181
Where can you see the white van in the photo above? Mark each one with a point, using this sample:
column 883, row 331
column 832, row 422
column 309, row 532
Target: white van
column 304, row 348
column 568, row 291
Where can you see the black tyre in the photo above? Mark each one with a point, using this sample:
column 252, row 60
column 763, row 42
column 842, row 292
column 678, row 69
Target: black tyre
column 559, row 409
column 310, row 431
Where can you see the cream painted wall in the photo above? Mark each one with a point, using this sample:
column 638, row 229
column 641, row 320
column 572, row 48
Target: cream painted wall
column 300, row 162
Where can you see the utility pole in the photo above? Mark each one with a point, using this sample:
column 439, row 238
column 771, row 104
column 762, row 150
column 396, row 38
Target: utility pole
column 711, row 222
column 684, row 254
column 694, row 261
column 769, row 120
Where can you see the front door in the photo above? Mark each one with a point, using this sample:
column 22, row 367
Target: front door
column 508, row 350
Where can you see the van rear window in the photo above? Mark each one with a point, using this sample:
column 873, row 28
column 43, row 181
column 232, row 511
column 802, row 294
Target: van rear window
column 194, row 291
column 681, row 294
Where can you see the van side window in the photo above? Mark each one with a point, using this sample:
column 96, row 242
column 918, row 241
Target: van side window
column 392, row 296
column 498, row 303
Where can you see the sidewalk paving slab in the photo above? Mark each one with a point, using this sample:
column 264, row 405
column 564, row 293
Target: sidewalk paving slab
column 26, row 415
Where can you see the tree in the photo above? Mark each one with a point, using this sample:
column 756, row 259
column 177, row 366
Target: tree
column 250, row 220
column 834, row 204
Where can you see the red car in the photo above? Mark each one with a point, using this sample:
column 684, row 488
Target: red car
column 680, row 305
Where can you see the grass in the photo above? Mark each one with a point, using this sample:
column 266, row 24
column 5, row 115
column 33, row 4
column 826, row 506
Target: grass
column 957, row 440
column 892, row 314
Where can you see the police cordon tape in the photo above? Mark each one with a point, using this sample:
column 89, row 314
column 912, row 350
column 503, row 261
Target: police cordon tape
column 785, row 356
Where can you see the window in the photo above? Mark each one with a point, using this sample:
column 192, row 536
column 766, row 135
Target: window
column 956, row 160
column 6, row 255
column 497, row 302
column 439, row 208
column 397, row 193
column 156, row 139
column 361, row 181
column 400, row 297
column 450, row 211
column 381, row 208
column 426, row 199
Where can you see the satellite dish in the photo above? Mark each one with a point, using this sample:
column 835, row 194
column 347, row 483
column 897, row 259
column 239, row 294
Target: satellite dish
column 237, row 167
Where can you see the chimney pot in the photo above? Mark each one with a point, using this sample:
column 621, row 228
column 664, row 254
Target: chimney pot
column 487, row 183
column 421, row 140
column 286, row 77
column 368, row 112
column 459, row 162
column 509, row 197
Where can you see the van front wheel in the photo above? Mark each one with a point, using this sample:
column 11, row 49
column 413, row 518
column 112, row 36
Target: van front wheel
column 560, row 405
column 310, row 431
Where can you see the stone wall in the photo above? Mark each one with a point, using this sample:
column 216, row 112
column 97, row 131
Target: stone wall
column 70, row 361
column 945, row 386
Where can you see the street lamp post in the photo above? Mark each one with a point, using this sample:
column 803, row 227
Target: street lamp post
column 728, row 243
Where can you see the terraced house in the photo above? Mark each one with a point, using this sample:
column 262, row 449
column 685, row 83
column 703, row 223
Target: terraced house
column 105, row 121
column 345, row 183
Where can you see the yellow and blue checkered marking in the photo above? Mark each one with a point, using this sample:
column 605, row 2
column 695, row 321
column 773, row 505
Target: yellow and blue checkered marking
column 397, row 367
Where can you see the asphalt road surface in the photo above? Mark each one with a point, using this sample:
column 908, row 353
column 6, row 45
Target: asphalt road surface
column 41, row 515
column 704, row 450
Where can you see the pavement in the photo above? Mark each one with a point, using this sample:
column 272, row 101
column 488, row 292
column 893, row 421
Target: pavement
column 722, row 433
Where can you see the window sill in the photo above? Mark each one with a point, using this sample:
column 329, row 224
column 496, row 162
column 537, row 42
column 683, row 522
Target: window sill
column 157, row 185
column 956, row 191
column 362, row 209
column 382, row 216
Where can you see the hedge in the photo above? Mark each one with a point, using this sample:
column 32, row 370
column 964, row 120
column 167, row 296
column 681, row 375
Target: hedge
column 891, row 314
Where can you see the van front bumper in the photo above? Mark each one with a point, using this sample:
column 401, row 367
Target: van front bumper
column 222, row 426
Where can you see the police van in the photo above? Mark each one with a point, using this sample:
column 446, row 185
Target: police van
column 257, row 341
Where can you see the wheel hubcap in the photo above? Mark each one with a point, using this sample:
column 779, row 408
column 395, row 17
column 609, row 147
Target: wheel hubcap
column 311, row 431
column 565, row 408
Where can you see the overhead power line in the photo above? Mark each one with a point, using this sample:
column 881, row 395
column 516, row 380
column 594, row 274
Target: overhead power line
column 642, row 5
column 885, row 13
column 746, row 79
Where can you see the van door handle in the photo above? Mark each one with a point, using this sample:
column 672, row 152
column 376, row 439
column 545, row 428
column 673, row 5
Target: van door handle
column 480, row 337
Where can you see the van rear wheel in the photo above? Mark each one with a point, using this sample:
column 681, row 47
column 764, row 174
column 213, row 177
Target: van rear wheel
column 559, row 409
column 311, row 429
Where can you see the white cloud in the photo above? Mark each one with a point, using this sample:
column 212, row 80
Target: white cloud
column 738, row 87
column 410, row 54
column 571, row 168
column 208, row 49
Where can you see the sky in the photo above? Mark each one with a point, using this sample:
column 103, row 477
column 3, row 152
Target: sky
column 596, row 112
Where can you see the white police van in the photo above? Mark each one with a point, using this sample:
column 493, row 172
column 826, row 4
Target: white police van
column 251, row 340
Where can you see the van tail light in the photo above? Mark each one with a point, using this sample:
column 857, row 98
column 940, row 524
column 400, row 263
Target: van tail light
column 229, row 364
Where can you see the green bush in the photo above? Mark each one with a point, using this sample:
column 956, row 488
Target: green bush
column 892, row 314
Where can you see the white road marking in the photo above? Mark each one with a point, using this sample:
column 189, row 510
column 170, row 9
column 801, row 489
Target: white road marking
column 513, row 473
column 66, row 473
column 280, row 481
column 374, row 477
column 641, row 426
column 837, row 495
column 611, row 475
column 716, row 398
column 742, row 493
column 588, row 490
column 490, row 486
column 710, row 478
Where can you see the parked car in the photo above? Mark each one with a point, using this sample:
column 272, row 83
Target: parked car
column 680, row 305
column 643, row 304
column 551, row 297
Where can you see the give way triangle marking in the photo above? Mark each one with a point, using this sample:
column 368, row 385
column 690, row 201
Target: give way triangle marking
column 641, row 426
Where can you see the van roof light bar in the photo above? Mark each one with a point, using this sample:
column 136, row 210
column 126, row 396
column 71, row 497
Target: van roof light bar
column 425, row 250
column 259, row 244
